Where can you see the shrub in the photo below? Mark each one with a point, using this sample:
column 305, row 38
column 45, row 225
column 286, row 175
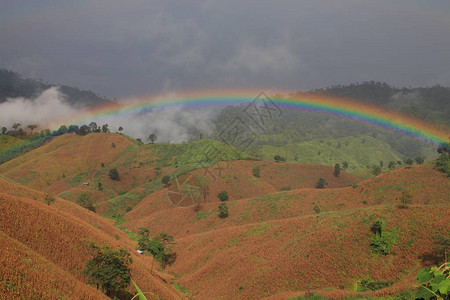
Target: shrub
column 114, row 174
column 49, row 199
column 337, row 170
column 256, row 171
column 405, row 199
column 85, row 201
column 279, row 159
column 223, row 196
column 316, row 209
column 223, row 210
column 381, row 244
column 372, row 285
column 165, row 180
column 321, row 183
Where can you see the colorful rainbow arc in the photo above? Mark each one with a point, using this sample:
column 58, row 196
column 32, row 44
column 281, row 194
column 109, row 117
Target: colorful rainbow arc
column 342, row 108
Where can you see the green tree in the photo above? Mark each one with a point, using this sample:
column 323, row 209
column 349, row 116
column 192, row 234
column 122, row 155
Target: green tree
column 279, row 159
column 32, row 127
column 16, row 125
column 316, row 209
column 120, row 129
column 391, row 165
column 223, row 210
column 4, row 130
column 105, row 128
column 100, row 186
column 376, row 170
column 409, row 162
column 223, row 196
column 378, row 226
column 114, row 174
column 337, row 170
column 405, row 199
column 345, row 165
column 108, row 269
column 256, row 171
column 84, row 200
column 321, row 183
column 49, row 199
column 165, row 180
column 152, row 138
column 420, row 160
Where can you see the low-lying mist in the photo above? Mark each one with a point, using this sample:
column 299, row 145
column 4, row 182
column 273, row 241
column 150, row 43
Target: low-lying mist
column 50, row 108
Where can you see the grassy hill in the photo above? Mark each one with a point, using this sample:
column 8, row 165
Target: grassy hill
column 277, row 242
column 42, row 242
column 61, row 166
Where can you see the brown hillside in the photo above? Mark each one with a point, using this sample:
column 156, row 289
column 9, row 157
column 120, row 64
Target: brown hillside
column 58, row 233
column 276, row 242
column 236, row 177
column 65, row 156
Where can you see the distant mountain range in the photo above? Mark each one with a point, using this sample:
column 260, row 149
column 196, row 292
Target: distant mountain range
column 13, row 85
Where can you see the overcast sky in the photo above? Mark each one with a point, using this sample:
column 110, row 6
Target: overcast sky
column 121, row 48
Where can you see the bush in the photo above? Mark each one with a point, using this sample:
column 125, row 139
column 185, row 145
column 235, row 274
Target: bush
column 372, row 285
column 405, row 199
column 223, row 196
column 223, row 210
column 321, row 183
column 49, row 199
column 279, row 159
column 381, row 244
column 114, row 174
column 256, row 171
column 316, row 209
column 165, row 180
column 85, row 201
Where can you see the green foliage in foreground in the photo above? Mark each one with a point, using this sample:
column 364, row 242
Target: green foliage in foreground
column 434, row 283
column 108, row 269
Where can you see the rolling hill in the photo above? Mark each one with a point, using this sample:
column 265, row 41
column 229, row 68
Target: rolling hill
column 47, row 241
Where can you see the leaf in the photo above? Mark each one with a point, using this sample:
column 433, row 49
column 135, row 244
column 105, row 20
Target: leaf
column 424, row 275
column 424, row 293
column 139, row 292
column 444, row 286
column 436, row 281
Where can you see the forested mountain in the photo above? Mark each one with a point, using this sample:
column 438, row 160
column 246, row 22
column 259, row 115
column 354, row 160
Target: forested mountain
column 431, row 104
column 13, row 85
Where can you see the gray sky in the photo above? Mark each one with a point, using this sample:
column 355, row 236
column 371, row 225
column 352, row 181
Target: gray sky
column 121, row 48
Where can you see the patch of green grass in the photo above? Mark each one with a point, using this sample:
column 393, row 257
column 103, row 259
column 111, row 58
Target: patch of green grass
column 258, row 230
column 202, row 214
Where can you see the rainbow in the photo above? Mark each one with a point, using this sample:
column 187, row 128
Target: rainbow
column 343, row 108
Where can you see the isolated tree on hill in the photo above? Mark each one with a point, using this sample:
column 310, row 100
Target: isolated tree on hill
column 4, row 130
column 120, row 128
column 114, row 174
column 152, row 138
column 100, row 186
column 32, row 127
column 321, row 183
column 378, row 226
column 16, row 125
column 203, row 184
column 223, row 196
column 165, row 180
column 337, row 170
column 49, row 199
column 109, row 269
column 405, row 199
